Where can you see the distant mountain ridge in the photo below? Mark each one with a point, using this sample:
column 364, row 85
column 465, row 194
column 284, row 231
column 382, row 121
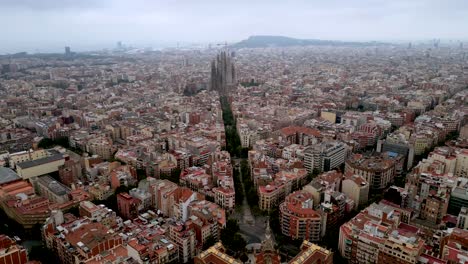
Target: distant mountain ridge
column 281, row 41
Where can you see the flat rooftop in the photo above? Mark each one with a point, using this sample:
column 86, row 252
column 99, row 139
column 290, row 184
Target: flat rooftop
column 38, row 162
column 53, row 185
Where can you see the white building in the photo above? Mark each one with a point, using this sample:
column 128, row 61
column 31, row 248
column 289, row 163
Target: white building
column 356, row 188
column 325, row 156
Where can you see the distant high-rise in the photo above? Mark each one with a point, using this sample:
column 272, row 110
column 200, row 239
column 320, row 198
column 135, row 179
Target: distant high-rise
column 67, row 51
column 223, row 74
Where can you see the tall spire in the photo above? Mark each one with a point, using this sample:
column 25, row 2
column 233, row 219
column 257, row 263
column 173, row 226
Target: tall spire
column 268, row 229
column 222, row 73
column 268, row 245
column 268, row 254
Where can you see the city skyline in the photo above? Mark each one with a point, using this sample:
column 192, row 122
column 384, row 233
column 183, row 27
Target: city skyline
column 50, row 25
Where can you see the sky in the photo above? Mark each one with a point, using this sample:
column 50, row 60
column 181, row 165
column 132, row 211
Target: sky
column 49, row 25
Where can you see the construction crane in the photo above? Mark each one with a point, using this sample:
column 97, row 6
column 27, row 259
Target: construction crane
column 222, row 44
column 225, row 44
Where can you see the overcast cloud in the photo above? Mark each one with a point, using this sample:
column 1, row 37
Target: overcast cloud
column 49, row 25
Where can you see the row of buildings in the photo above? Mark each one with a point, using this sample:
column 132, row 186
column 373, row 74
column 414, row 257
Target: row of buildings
column 383, row 233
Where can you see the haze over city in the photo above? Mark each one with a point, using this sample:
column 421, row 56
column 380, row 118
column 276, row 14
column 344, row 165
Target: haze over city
column 232, row 132
column 48, row 25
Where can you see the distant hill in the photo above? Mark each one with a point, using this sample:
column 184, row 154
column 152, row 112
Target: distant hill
column 280, row 41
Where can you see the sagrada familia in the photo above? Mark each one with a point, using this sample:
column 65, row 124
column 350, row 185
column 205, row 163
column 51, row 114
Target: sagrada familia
column 223, row 73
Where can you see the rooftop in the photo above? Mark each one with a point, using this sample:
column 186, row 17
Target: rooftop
column 88, row 235
column 311, row 252
column 38, row 162
column 215, row 254
column 53, row 185
column 8, row 175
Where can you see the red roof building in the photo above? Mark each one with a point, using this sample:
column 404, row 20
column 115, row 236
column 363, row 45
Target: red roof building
column 10, row 252
column 127, row 205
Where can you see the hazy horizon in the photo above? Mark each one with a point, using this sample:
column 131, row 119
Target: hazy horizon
column 49, row 25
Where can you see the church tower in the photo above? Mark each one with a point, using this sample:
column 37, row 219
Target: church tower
column 223, row 74
column 268, row 254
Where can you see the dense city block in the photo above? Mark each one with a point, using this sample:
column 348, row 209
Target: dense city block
column 319, row 153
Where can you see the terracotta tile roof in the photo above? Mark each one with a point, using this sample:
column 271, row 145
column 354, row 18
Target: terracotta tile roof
column 89, row 234
column 291, row 130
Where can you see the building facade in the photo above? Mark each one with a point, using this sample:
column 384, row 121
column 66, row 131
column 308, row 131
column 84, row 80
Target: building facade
column 325, row 156
column 356, row 188
column 10, row 252
column 298, row 219
column 378, row 171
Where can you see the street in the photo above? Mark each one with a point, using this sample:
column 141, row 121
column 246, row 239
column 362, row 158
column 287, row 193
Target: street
column 252, row 228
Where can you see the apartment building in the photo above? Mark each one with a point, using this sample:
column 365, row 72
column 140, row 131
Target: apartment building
column 127, row 205
column 325, row 156
column 376, row 235
column 356, row 188
column 185, row 239
column 462, row 219
column 377, row 170
column 101, row 146
column 80, row 240
column 10, row 252
column 402, row 246
column 225, row 197
column 298, row 219
column 271, row 195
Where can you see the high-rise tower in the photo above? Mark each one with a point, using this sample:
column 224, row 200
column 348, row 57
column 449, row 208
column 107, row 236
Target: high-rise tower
column 67, row 51
column 223, row 73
